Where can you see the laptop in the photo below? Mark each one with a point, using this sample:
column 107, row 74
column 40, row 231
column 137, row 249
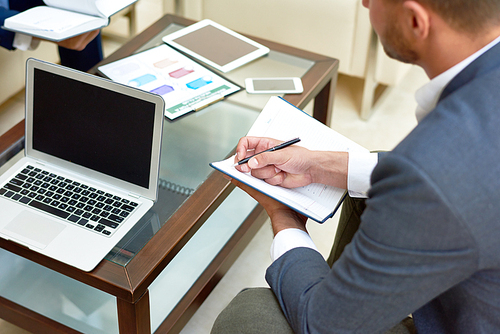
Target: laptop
column 91, row 165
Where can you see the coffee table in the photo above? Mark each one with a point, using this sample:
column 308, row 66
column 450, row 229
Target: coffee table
column 159, row 274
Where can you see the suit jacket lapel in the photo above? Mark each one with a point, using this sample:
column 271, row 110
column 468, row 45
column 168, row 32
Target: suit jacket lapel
column 482, row 65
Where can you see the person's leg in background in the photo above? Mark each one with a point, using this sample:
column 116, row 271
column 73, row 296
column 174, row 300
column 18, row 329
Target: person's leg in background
column 82, row 60
column 350, row 218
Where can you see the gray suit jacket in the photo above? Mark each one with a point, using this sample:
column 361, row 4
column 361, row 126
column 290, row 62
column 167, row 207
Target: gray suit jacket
column 429, row 241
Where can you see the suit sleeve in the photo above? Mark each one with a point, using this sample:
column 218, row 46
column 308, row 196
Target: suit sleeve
column 6, row 37
column 410, row 248
column 16, row 6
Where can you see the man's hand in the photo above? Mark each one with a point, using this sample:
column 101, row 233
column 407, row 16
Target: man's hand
column 293, row 166
column 282, row 217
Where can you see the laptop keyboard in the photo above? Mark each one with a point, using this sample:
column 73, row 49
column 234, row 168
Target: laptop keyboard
column 72, row 201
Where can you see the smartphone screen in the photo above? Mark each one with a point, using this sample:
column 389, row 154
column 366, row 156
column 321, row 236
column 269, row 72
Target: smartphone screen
column 274, row 85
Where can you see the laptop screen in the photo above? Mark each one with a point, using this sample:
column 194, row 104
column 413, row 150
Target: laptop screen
column 94, row 127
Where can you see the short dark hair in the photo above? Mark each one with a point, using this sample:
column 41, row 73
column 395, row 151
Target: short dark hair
column 470, row 16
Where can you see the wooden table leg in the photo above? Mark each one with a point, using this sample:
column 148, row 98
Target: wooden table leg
column 134, row 318
column 323, row 102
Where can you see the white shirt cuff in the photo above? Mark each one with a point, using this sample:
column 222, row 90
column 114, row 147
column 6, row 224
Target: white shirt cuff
column 25, row 42
column 360, row 168
column 289, row 239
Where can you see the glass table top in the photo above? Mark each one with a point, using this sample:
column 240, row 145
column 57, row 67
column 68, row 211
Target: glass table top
column 191, row 142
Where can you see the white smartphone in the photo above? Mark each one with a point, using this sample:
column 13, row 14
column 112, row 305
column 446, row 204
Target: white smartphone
column 274, row 85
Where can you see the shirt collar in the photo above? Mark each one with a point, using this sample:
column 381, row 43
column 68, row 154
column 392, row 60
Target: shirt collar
column 427, row 96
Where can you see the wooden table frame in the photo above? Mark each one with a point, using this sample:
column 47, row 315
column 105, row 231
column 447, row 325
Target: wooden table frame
column 130, row 284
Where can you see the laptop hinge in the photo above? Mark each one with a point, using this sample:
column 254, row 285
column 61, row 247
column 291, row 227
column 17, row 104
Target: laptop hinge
column 134, row 195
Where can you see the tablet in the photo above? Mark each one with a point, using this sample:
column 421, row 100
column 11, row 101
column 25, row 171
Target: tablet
column 216, row 45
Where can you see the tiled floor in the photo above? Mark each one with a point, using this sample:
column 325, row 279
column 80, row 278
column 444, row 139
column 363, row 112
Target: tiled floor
column 392, row 119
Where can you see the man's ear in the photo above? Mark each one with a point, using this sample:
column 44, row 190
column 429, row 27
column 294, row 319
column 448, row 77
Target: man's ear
column 417, row 18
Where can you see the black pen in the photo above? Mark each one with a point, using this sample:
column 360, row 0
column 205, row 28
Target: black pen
column 275, row 148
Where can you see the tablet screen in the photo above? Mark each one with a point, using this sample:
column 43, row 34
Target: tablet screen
column 215, row 45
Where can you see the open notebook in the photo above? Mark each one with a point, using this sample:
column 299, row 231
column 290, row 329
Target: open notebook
column 281, row 120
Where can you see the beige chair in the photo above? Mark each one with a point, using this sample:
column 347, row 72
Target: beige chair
column 130, row 13
column 336, row 28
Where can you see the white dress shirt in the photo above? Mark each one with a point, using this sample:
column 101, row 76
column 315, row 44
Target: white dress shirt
column 363, row 163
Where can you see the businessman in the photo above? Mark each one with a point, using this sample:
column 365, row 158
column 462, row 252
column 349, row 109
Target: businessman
column 79, row 52
column 427, row 242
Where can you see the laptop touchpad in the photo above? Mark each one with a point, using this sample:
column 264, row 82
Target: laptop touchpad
column 33, row 229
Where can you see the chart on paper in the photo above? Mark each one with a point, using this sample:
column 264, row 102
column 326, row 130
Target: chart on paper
column 184, row 84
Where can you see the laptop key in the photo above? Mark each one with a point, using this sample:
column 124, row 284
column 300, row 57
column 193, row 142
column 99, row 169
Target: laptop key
column 108, row 223
column 49, row 209
column 17, row 182
column 82, row 222
column 16, row 197
column 25, row 200
column 127, row 208
column 12, row 187
column 115, row 218
column 73, row 218
column 124, row 214
column 3, row 191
